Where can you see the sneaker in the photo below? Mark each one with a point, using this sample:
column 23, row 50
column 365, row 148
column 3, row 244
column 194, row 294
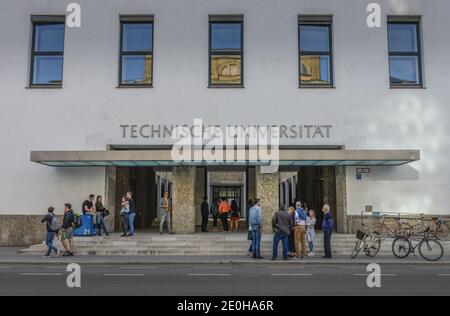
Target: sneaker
column 311, row 254
column 123, row 235
column 259, row 257
column 70, row 254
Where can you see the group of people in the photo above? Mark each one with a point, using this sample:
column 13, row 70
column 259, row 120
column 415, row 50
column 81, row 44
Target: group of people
column 294, row 227
column 65, row 229
column 228, row 213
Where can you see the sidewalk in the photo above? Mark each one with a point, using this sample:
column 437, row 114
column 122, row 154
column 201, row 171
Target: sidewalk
column 9, row 256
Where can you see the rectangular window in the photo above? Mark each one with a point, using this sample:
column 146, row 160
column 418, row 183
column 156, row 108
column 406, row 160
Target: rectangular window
column 404, row 53
column 226, row 51
column 47, row 53
column 315, row 51
column 136, row 51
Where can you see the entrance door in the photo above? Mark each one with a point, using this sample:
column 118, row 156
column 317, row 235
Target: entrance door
column 229, row 193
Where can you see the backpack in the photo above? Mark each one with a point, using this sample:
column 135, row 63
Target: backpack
column 77, row 221
column 56, row 223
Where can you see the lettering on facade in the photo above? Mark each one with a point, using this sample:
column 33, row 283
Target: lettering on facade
column 161, row 131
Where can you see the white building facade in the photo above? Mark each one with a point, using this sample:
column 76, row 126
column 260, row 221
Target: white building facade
column 356, row 99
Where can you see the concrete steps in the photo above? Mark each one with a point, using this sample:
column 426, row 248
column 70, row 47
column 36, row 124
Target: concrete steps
column 215, row 244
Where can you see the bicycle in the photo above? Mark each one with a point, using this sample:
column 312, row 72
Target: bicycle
column 365, row 240
column 430, row 249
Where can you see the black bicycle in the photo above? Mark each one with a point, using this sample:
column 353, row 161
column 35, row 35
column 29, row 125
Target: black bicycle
column 429, row 248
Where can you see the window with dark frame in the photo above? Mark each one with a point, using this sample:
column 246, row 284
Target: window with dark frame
column 226, row 67
column 405, row 60
column 315, row 51
column 47, row 52
column 136, row 52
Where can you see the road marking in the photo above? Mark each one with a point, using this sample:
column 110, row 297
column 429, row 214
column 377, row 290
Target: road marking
column 291, row 274
column 433, row 268
column 353, row 268
column 41, row 274
column 5, row 267
column 285, row 267
column 124, row 274
column 382, row 274
column 137, row 268
column 213, row 267
column 443, row 275
column 209, row 274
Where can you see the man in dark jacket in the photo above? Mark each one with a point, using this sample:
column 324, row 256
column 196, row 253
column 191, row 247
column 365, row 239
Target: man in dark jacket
column 205, row 214
column 282, row 225
column 327, row 228
column 48, row 220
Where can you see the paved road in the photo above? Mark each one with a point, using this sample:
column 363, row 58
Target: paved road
column 219, row 280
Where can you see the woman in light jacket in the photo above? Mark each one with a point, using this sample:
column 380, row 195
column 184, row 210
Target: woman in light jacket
column 311, row 232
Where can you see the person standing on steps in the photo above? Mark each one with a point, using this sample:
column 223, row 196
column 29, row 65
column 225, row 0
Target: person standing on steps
column 311, row 232
column 164, row 214
column 327, row 228
column 132, row 214
column 204, row 208
column 214, row 210
column 256, row 221
column 300, row 231
column 282, row 225
column 102, row 212
column 224, row 210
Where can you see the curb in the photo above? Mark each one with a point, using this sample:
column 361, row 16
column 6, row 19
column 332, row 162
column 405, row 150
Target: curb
column 221, row 262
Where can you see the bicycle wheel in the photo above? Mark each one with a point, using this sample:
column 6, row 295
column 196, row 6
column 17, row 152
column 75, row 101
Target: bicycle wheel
column 401, row 247
column 356, row 249
column 373, row 246
column 431, row 249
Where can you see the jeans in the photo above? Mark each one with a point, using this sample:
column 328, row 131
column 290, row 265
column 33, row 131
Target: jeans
column 49, row 242
column 131, row 218
column 101, row 225
column 165, row 217
column 311, row 246
column 327, row 243
column 256, row 244
column 285, row 242
column 215, row 218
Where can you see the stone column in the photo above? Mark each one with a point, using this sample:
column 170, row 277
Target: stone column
column 183, row 200
column 341, row 200
column 267, row 190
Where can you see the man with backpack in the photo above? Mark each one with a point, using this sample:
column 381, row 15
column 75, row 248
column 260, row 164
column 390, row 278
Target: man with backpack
column 68, row 225
column 53, row 225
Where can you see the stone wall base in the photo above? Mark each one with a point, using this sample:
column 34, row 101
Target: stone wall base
column 354, row 221
column 21, row 230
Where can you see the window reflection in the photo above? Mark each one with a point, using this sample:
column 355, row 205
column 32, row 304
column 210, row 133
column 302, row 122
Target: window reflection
column 47, row 54
column 137, row 54
column 225, row 53
column 315, row 53
column 225, row 69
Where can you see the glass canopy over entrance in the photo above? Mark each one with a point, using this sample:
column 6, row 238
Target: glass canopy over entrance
column 162, row 157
